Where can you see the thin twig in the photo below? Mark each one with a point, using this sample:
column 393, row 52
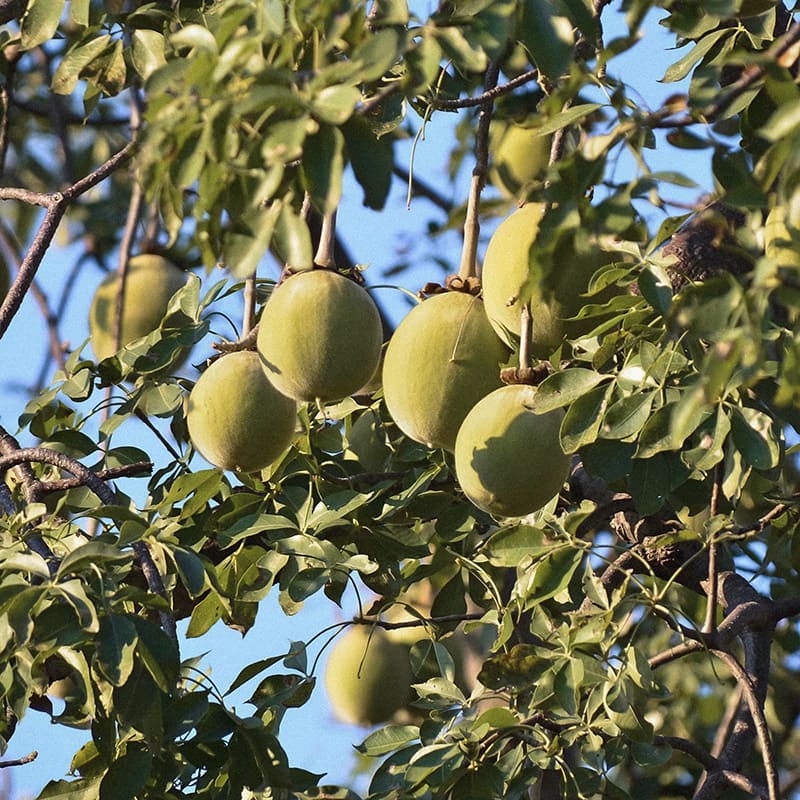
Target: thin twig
column 126, row 471
column 6, row 99
column 490, row 94
column 18, row 762
column 710, row 623
column 419, row 187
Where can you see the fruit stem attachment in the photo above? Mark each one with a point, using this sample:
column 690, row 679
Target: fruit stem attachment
column 324, row 256
column 468, row 268
column 526, row 335
column 249, row 315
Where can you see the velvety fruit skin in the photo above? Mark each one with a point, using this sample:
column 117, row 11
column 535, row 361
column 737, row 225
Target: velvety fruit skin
column 236, row 418
column 518, row 157
column 506, row 268
column 320, row 336
column 368, row 677
column 150, row 283
column 508, row 460
column 443, row 357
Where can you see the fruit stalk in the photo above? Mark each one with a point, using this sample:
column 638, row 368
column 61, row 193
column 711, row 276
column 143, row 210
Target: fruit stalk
column 249, row 316
column 324, row 256
column 468, row 268
column 526, row 336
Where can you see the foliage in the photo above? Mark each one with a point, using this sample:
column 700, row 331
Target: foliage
column 643, row 636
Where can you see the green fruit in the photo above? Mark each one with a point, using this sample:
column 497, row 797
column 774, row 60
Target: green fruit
column 367, row 441
column 150, row 283
column 443, row 357
column 236, row 418
column 519, row 156
column 320, row 336
column 508, row 272
column 368, row 677
column 508, row 460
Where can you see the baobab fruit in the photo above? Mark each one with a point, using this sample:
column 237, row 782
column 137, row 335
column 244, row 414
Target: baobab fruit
column 237, row 419
column 510, row 277
column 508, row 460
column 519, row 156
column 367, row 677
column 320, row 336
column 150, row 282
column 443, row 357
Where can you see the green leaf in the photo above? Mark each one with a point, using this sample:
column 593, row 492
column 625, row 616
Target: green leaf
column 680, row 69
column 191, row 570
column 66, row 76
column 388, row 739
column 251, row 670
column 756, row 437
column 569, row 117
column 127, row 776
column 79, row 11
column 784, row 122
column 147, row 51
column 292, row 240
column 513, row 545
column 138, row 703
column 81, row 789
column 565, row 387
column 371, row 158
column 552, row 574
column 40, row 22
column 158, row 653
column 653, row 478
column 90, row 555
column 582, row 421
column 334, row 105
column 627, row 416
column 668, row 427
column 322, row 166
column 116, row 643
column 548, row 42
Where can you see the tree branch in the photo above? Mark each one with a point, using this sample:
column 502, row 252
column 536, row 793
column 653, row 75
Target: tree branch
column 56, row 205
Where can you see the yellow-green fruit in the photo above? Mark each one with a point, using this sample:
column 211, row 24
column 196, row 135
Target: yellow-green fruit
column 367, row 441
column 368, row 677
column 320, row 336
column 519, row 156
column 150, row 283
column 507, row 270
column 508, row 460
column 236, row 418
column 443, row 357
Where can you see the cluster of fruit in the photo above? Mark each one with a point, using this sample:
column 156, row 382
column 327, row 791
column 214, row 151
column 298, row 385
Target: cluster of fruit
column 320, row 340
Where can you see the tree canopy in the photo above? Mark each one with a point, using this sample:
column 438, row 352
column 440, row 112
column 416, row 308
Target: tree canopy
column 632, row 635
